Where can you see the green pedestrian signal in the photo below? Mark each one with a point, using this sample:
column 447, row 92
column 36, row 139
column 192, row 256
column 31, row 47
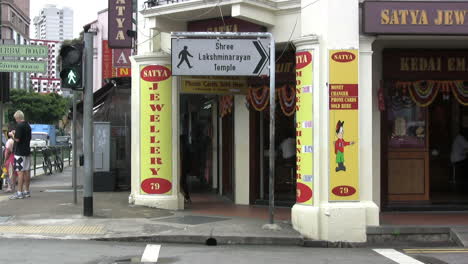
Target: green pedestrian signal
column 72, row 66
column 71, row 78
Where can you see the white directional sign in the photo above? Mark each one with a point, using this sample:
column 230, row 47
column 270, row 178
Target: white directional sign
column 238, row 57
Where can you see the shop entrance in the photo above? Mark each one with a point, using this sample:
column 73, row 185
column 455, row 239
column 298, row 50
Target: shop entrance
column 207, row 159
column 425, row 111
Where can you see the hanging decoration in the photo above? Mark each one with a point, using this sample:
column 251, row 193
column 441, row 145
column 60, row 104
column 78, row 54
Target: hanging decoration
column 259, row 98
column 381, row 97
column 460, row 92
column 423, row 93
column 226, row 102
column 287, row 98
column 445, row 87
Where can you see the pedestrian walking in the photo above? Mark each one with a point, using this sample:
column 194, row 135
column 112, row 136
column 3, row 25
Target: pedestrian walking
column 22, row 151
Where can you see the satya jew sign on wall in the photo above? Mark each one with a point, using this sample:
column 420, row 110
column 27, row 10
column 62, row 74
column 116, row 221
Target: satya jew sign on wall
column 156, row 129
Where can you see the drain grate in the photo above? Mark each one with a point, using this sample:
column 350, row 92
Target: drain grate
column 192, row 219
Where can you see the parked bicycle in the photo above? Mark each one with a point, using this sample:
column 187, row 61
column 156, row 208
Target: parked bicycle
column 46, row 162
column 58, row 162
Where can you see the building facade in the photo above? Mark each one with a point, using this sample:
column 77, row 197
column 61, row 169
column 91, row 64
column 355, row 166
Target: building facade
column 47, row 82
column 108, row 63
column 54, row 23
column 15, row 29
column 379, row 89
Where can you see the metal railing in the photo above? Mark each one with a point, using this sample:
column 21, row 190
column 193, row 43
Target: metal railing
column 38, row 157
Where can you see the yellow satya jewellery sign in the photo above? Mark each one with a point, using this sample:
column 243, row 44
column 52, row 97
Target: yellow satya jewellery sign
column 304, row 129
column 155, row 129
column 344, row 125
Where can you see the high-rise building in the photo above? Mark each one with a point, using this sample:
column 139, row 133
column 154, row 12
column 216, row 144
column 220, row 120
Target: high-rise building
column 47, row 82
column 54, row 23
column 15, row 30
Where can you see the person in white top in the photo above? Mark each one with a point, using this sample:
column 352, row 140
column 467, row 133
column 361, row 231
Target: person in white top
column 459, row 155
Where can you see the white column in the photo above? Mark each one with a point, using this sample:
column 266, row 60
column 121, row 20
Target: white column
column 369, row 173
column 241, row 151
column 337, row 221
column 174, row 201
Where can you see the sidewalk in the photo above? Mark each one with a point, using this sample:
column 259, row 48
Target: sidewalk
column 50, row 213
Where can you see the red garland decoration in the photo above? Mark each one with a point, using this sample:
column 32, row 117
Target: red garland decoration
column 259, row 97
column 287, row 98
column 460, row 92
column 226, row 103
column 423, row 93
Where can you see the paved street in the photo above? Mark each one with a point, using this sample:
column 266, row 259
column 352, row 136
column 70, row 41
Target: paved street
column 87, row 252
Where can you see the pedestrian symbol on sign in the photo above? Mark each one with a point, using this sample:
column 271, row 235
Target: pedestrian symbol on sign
column 71, row 77
column 184, row 53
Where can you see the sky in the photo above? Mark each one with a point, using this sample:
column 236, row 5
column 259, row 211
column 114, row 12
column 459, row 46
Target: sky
column 84, row 11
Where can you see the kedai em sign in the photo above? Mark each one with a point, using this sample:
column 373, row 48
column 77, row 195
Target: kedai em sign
column 120, row 21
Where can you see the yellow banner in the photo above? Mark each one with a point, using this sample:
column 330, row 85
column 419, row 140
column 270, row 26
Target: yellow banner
column 214, row 85
column 304, row 129
column 156, row 129
column 344, row 125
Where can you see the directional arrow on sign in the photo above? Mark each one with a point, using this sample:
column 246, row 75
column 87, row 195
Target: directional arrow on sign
column 220, row 57
column 263, row 60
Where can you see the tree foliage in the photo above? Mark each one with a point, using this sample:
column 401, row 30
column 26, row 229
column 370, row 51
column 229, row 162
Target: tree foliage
column 38, row 108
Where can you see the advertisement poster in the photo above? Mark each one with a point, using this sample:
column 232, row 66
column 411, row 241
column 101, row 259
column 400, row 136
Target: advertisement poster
column 344, row 125
column 304, row 129
column 156, row 129
column 214, row 85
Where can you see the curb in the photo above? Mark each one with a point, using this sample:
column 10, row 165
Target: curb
column 207, row 240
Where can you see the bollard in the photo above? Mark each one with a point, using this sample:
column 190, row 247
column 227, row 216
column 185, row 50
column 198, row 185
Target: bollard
column 35, row 155
column 69, row 155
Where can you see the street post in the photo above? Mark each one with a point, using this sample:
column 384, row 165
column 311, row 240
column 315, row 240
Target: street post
column 88, row 126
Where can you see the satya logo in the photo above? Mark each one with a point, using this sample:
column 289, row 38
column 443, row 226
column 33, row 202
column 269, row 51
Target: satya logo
column 343, row 56
column 303, row 59
column 155, row 73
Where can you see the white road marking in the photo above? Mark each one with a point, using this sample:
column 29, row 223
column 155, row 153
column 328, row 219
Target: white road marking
column 398, row 257
column 151, row 253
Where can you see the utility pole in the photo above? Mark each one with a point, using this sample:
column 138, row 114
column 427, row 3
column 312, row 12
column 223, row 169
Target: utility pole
column 74, row 149
column 88, row 126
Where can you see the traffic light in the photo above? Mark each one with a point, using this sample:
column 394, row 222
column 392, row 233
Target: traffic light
column 72, row 66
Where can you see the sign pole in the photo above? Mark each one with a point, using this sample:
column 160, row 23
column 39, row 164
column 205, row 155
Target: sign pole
column 74, row 148
column 272, row 132
column 88, row 126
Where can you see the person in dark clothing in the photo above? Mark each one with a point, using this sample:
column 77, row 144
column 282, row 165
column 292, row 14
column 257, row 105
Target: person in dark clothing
column 22, row 151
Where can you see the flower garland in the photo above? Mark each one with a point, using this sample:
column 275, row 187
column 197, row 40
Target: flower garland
column 226, row 102
column 460, row 92
column 259, row 97
column 424, row 93
column 287, row 98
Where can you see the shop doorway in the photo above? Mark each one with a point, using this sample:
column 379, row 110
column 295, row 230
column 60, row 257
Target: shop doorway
column 424, row 113
column 206, row 147
column 447, row 186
